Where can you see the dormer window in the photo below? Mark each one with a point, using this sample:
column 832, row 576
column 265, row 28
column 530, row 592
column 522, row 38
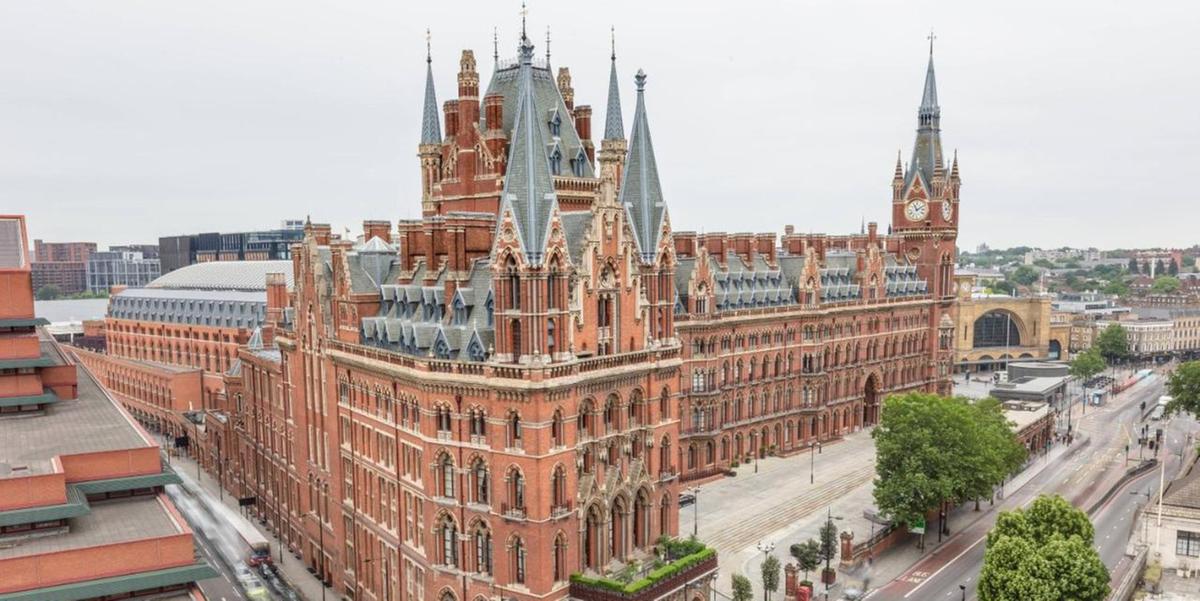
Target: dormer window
column 555, row 124
column 578, row 164
column 556, row 162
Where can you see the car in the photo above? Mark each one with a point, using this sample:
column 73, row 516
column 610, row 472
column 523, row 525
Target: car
column 252, row 585
column 686, row 498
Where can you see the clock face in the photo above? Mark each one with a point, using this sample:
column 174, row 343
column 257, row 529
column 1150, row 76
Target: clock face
column 947, row 210
column 916, row 210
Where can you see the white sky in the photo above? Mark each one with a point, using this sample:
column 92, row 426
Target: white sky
column 1076, row 122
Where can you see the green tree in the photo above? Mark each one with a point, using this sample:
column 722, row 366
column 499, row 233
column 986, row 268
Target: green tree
column 1116, row 286
column 828, row 541
column 1184, row 388
column 770, row 575
column 1172, row 267
column 1042, row 553
column 1004, row 287
column 1133, row 265
column 1113, row 343
column 1044, row 263
column 807, row 555
column 48, row 292
column 1159, row 267
column 993, row 451
column 1165, row 284
column 742, row 590
column 1087, row 364
column 1024, row 275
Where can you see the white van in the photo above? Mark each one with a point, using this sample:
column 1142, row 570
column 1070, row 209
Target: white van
column 1163, row 400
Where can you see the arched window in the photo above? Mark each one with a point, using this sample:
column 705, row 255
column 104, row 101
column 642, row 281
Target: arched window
column 516, row 489
column 550, row 336
column 482, row 541
column 560, row 557
column 558, row 488
column 996, row 329
column 514, row 284
column 557, row 436
column 514, row 429
column 448, row 535
column 480, row 485
column 518, row 560
column 446, row 476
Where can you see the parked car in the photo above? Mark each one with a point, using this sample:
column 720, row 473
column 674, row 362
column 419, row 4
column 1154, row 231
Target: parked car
column 686, row 498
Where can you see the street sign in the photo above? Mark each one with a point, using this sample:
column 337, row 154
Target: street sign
column 918, row 526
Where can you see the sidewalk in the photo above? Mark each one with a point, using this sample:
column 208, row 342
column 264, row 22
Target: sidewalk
column 293, row 571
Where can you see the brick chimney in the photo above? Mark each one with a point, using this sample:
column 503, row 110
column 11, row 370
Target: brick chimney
column 277, row 301
column 765, row 246
column 377, row 228
column 450, row 108
column 685, row 243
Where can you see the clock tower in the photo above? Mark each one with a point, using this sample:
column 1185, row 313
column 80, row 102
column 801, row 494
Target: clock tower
column 925, row 197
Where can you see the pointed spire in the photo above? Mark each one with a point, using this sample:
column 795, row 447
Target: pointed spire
column 641, row 191
column 528, row 183
column 614, row 127
column 899, row 175
column 431, row 127
column 954, row 166
column 927, row 149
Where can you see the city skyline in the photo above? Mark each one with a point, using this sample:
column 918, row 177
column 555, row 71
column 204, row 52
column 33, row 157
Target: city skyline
column 240, row 123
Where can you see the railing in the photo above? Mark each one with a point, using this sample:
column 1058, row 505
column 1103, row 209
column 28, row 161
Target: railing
column 560, row 510
column 507, row 372
column 512, row 513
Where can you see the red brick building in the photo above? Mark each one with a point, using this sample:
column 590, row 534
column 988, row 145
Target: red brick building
column 82, row 509
column 509, row 390
column 62, row 265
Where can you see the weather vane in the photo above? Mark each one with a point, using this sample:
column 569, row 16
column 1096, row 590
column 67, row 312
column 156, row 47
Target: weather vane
column 931, row 37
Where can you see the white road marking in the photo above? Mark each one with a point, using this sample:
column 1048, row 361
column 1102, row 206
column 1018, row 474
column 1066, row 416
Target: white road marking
column 947, row 564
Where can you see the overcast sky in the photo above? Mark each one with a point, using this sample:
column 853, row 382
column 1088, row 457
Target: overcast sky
column 1077, row 123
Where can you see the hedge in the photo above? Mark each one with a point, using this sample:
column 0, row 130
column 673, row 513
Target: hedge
column 654, row 576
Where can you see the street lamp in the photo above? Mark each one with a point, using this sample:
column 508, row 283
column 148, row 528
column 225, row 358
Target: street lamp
column 766, row 549
column 813, row 447
column 963, row 588
column 695, row 490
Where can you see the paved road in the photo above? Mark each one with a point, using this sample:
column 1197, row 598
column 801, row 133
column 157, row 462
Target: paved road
column 1081, row 476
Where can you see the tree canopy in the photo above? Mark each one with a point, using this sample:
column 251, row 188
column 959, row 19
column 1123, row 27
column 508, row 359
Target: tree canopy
column 1087, row 364
column 1113, row 343
column 770, row 573
column 742, row 590
column 1043, row 553
column 931, row 449
column 807, row 555
column 48, row 292
column 1024, row 275
column 1184, row 388
column 1165, row 284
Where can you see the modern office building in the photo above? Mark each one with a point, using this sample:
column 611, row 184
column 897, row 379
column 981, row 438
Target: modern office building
column 263, row 245
column 128, row 268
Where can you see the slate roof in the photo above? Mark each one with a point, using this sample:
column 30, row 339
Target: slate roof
column 528, row 183
column 927, row 149
column 224, row 275
column 506, row 81
column 641, row 191
column 431, row 128
column 218, row 308
column 614, row 127
column 416, row 320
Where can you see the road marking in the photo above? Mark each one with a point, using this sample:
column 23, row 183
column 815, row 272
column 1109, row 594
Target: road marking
column 946, row 565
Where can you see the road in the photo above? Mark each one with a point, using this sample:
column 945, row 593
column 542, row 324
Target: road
column 1082, row 476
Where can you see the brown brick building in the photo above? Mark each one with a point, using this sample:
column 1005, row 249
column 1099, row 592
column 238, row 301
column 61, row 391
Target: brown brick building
column 62, row 265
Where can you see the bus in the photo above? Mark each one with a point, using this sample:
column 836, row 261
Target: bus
column 252, row 544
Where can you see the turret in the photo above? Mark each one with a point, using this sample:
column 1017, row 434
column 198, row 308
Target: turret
column 429, row 149
column 613, row 146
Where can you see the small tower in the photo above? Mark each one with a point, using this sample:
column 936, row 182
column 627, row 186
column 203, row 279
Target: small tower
column 613, row 146
column 429, row 149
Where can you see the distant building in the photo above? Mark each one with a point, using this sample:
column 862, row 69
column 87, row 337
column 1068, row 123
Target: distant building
column 1149, row 337
column 1063, row 254
column 992, row 330
column 128, row 268
column 83, row 514
column 263, row 245
column 62, row 265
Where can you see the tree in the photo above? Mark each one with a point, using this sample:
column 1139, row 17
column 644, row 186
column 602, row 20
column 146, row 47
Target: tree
column 807, row 555
column 1117, row 286
column 1133, row 265
column 1113, row 343
column 1087, row 364
column 1184, row 388
column 770, row 575
column 1004, row 287
column 1024, row 275
column 1165, row 284
column 828, row 546
column 1042, row 553
column 1159, row 267
column 742, row 590
column 48, row 292
column 1173, row 267
column 1044, row 263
